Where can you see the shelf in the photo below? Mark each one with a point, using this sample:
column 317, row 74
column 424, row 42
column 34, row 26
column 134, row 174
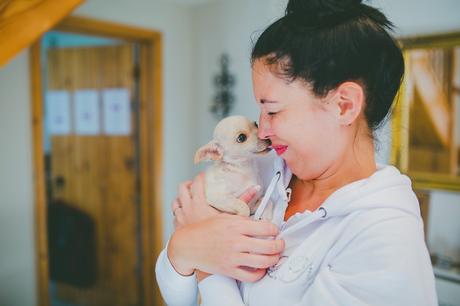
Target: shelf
column 452, row 275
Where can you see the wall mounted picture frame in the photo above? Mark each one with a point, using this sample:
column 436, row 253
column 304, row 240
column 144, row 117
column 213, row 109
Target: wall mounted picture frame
column 426, row 116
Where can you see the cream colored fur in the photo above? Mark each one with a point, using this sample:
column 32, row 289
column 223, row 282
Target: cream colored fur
column 233, row 170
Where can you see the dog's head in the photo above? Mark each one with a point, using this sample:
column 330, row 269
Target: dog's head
column 235, row 139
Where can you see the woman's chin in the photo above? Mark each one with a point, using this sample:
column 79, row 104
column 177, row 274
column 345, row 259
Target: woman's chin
column 300, row 171
column 291, row 165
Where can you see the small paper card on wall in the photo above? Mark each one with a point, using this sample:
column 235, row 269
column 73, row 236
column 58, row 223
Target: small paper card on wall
column 117, row 111
column 58, row 112
column 86, row 112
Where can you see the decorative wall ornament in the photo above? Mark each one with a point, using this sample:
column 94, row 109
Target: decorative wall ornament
column 224, row 99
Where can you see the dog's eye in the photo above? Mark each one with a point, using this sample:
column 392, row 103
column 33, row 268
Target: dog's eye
column 255, row 123
column 241, row 138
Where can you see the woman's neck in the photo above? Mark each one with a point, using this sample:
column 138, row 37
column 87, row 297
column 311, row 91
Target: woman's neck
column 357, row 163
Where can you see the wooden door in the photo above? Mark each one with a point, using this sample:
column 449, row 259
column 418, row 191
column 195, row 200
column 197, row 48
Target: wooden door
column 97, row 173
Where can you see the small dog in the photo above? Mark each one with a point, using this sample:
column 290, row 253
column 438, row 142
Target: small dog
column 233, row 148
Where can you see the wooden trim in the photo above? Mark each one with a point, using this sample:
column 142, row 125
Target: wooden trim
column 396, row 123
column 400, row 121
column 430, row 181
column 39, row 175
column 151, row 134
column 151, row 121
column 29, row 22
column 91, row 26
column 423, row 197
column 430, row 41
column 151, row 130
column 157, row 66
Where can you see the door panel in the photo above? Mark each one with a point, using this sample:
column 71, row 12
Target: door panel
column 97, row 174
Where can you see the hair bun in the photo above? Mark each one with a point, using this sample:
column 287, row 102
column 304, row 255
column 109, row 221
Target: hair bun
column 314, row 12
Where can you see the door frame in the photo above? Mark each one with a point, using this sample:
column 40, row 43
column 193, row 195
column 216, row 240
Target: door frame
column 150, row 134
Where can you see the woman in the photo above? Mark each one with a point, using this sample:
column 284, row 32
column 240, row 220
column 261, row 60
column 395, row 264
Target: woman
column 350, row 233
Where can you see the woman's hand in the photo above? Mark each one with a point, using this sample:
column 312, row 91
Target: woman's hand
column 215, row 242
column 191, row 206
column 225, row 244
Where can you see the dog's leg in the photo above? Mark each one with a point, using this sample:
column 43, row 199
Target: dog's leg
column 241, row 208
column 232, row 206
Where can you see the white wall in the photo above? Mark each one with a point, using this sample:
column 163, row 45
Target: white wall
column 444, row 225
column 415, row 17
column 17, row 246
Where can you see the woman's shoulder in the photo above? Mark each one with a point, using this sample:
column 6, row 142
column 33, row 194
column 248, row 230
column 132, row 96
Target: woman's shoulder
column 382, row 229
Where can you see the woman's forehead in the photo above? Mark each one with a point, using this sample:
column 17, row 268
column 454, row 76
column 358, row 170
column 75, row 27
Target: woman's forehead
column 260, row 69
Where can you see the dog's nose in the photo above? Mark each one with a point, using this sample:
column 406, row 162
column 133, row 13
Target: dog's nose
column 268, row 141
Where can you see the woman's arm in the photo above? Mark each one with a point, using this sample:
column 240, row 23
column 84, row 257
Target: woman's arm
column 176, row 289
column 218, row 246
column 215, row 243
column 223, row 245
column 220, row 290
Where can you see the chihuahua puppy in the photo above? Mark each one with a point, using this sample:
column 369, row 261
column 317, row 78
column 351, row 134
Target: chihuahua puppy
column 233, row 148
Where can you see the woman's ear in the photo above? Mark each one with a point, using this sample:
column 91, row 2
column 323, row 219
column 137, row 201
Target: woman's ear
column 350, row 102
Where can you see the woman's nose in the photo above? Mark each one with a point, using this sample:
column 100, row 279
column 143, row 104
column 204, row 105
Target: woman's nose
column 264, row 131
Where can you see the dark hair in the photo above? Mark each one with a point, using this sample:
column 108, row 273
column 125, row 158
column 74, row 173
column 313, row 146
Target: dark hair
column 328, row 42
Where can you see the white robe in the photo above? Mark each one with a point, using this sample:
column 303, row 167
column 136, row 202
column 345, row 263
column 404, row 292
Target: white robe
column 363, row 246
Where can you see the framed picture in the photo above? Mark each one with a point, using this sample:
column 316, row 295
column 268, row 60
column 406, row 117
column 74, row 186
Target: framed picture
column 426, row 118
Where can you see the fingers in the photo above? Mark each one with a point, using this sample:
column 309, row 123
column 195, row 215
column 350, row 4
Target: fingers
column 179, row 217
column 197, row 188
column 184, row 187
column 184, row 193
column 262, row 246
column 258, row 261
column 258, row 228
column 246, row 274
column 249, row 194
column 175, row 205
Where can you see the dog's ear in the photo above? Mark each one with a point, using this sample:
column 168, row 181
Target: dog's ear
column 210, row 151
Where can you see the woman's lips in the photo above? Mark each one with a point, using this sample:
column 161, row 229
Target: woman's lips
column 280, row 149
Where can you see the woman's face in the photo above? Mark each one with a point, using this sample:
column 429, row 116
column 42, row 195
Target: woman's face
column 303, row 129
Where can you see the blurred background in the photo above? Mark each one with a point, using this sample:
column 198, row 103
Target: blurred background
column 99, row 123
